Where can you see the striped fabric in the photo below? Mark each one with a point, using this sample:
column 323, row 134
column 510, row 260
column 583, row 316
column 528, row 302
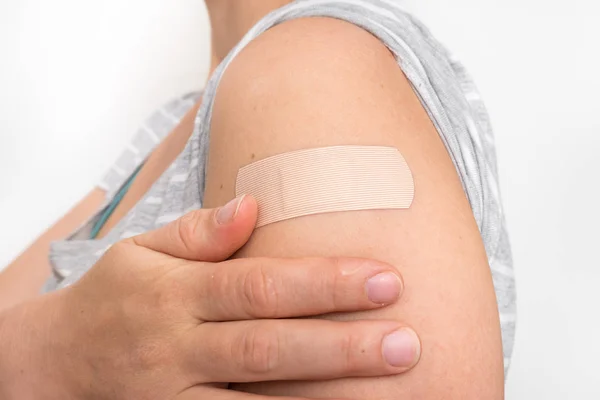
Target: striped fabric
column 441, row 83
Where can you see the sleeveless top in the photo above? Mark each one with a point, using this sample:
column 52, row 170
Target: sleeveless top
column 442, row 84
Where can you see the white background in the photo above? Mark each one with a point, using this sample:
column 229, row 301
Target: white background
column 77, row 77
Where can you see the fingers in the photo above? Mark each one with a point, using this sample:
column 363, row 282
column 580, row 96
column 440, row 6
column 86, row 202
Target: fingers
column 205, row 234
column 201, row 392
column 257, row 288
column 276, row 350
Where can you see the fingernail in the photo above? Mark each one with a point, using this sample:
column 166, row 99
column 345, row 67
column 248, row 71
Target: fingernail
column 384, row 288
column 401, row 348
column 228, row 212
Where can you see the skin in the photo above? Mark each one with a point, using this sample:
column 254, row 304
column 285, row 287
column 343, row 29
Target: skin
column 163, row 316
column 341, row 86
column 159, row 318
column 22, row 279
column 449, row 297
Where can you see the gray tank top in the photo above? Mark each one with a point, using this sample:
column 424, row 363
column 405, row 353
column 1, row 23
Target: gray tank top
column 441, row 83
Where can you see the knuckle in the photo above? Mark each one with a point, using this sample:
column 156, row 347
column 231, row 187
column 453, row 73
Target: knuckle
column 352, row 350
column 334, row 283
column 259, row 351
column 187, row 228
column 260, row 293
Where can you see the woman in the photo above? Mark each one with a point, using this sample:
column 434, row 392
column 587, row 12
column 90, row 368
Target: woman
column 288, row 75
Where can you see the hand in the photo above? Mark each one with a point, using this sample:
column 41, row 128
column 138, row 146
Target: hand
column 147, row 322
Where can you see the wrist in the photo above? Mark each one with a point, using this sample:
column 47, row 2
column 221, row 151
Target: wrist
column 30, row 344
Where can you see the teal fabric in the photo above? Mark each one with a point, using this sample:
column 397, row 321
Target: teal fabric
column 107, row 212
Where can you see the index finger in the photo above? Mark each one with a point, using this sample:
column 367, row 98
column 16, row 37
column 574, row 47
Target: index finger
column 259, row 288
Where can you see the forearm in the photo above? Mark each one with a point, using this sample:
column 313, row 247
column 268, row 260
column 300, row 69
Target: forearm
column 24, row 277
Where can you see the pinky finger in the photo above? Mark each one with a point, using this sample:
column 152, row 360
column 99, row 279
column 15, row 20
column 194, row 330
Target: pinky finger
column 207, row 392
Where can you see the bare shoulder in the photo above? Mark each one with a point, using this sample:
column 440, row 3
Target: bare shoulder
column 318, row 82
column 323, row 75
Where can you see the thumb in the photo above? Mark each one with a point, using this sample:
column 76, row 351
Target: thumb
column 206, row 234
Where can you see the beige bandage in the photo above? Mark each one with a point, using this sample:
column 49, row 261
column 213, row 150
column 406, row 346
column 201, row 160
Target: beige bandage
column 327, row 179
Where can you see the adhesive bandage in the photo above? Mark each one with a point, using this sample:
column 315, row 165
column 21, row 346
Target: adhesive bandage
column 327, row 179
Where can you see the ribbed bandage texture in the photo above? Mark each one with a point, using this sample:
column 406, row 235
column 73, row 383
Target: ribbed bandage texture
column 327, row 179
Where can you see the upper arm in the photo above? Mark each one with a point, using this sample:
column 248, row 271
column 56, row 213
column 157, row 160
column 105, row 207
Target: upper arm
column 323, row 82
